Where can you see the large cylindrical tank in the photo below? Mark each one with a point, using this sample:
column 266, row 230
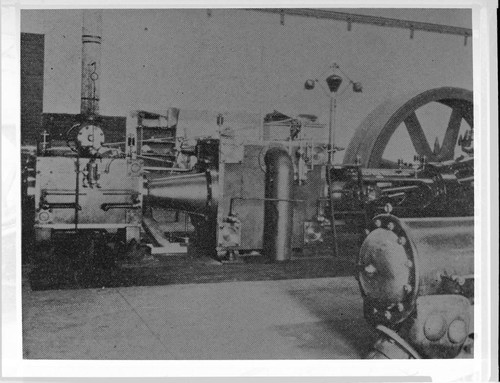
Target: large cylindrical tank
column 278, row 206
column 402, row 259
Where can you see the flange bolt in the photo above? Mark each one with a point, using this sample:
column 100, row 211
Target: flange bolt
column 370, row 270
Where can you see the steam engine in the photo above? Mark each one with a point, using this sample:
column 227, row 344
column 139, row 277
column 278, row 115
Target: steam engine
column 277, row 198
column 417, row 280
column 415, row 271
column 234, row 186
column 86, row 188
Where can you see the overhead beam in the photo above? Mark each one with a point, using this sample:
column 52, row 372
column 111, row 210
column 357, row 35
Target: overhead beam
column 351, row 18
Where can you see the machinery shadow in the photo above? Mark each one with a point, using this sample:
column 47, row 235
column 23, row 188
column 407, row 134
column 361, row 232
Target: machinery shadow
column 341, row 332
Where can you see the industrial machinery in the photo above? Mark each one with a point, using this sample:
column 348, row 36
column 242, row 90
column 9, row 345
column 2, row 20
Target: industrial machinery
column 83, row 189
column 271, row 197
column 280, row 198
column 417, row 281
column 234, row 190
column 243, row 196
column 85, row 198
column 87, row 188
column 237, row 207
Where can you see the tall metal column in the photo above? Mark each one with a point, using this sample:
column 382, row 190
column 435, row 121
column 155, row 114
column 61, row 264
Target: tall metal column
column 91, row 61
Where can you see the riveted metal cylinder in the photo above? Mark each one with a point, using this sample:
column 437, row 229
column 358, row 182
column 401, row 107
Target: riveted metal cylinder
column 402, row 259
column 278, row 207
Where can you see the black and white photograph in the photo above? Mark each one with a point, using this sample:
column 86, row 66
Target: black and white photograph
column 249, row 185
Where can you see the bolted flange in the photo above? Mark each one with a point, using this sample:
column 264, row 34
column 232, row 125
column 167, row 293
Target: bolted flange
column 387, row 272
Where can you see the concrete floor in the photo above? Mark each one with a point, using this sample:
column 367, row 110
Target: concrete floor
column 288, row 319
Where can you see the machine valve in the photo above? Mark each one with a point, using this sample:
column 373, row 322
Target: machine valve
column 91, row 175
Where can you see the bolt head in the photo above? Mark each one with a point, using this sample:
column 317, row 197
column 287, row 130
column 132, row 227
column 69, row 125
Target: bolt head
column 402, row 241
column 378, row 222
column 370, row 269
column 388, row 208
column 401, row 307
column 390, row 226
column 407, row 288
column 388, row 315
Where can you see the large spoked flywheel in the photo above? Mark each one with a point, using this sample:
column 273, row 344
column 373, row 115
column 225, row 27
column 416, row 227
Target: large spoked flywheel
column 411, row 111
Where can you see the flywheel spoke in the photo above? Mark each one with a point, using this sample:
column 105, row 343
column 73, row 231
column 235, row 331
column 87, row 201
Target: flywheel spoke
column 447, row 151
column 374, row 134
column 417, row 136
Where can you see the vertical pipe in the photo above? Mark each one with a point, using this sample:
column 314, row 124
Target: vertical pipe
column 330, row 133
column 77, row 190
column 278, row 207
column 91, row 61
column 262, row 96
column 329, row 181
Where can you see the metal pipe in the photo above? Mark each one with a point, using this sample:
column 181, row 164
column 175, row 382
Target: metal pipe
column 231, row 202
column 77, row 190
column 165, row 169
column 331, row 131
column 351, row 18
column 118, row 205
column 91, row 61
column 278, row 213
column 154, row 158
column 331, row 191
column 62, row 205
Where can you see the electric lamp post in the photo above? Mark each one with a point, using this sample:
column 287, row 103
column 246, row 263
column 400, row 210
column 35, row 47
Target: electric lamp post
column 333, row 82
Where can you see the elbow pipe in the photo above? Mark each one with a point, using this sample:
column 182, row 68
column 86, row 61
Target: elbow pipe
column 278, row 206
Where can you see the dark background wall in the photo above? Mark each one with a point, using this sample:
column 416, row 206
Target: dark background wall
column 33, row 120
column 32, row 70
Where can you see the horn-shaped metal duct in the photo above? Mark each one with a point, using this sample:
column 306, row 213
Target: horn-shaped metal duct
column 194, row 193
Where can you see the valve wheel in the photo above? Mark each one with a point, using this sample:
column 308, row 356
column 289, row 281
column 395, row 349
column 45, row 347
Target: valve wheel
column 373, row 135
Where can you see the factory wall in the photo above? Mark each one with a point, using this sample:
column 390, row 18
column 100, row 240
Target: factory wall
column 246, row 62
column 32, row 70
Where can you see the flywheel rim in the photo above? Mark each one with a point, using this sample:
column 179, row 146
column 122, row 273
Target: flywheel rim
column 373, row 134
